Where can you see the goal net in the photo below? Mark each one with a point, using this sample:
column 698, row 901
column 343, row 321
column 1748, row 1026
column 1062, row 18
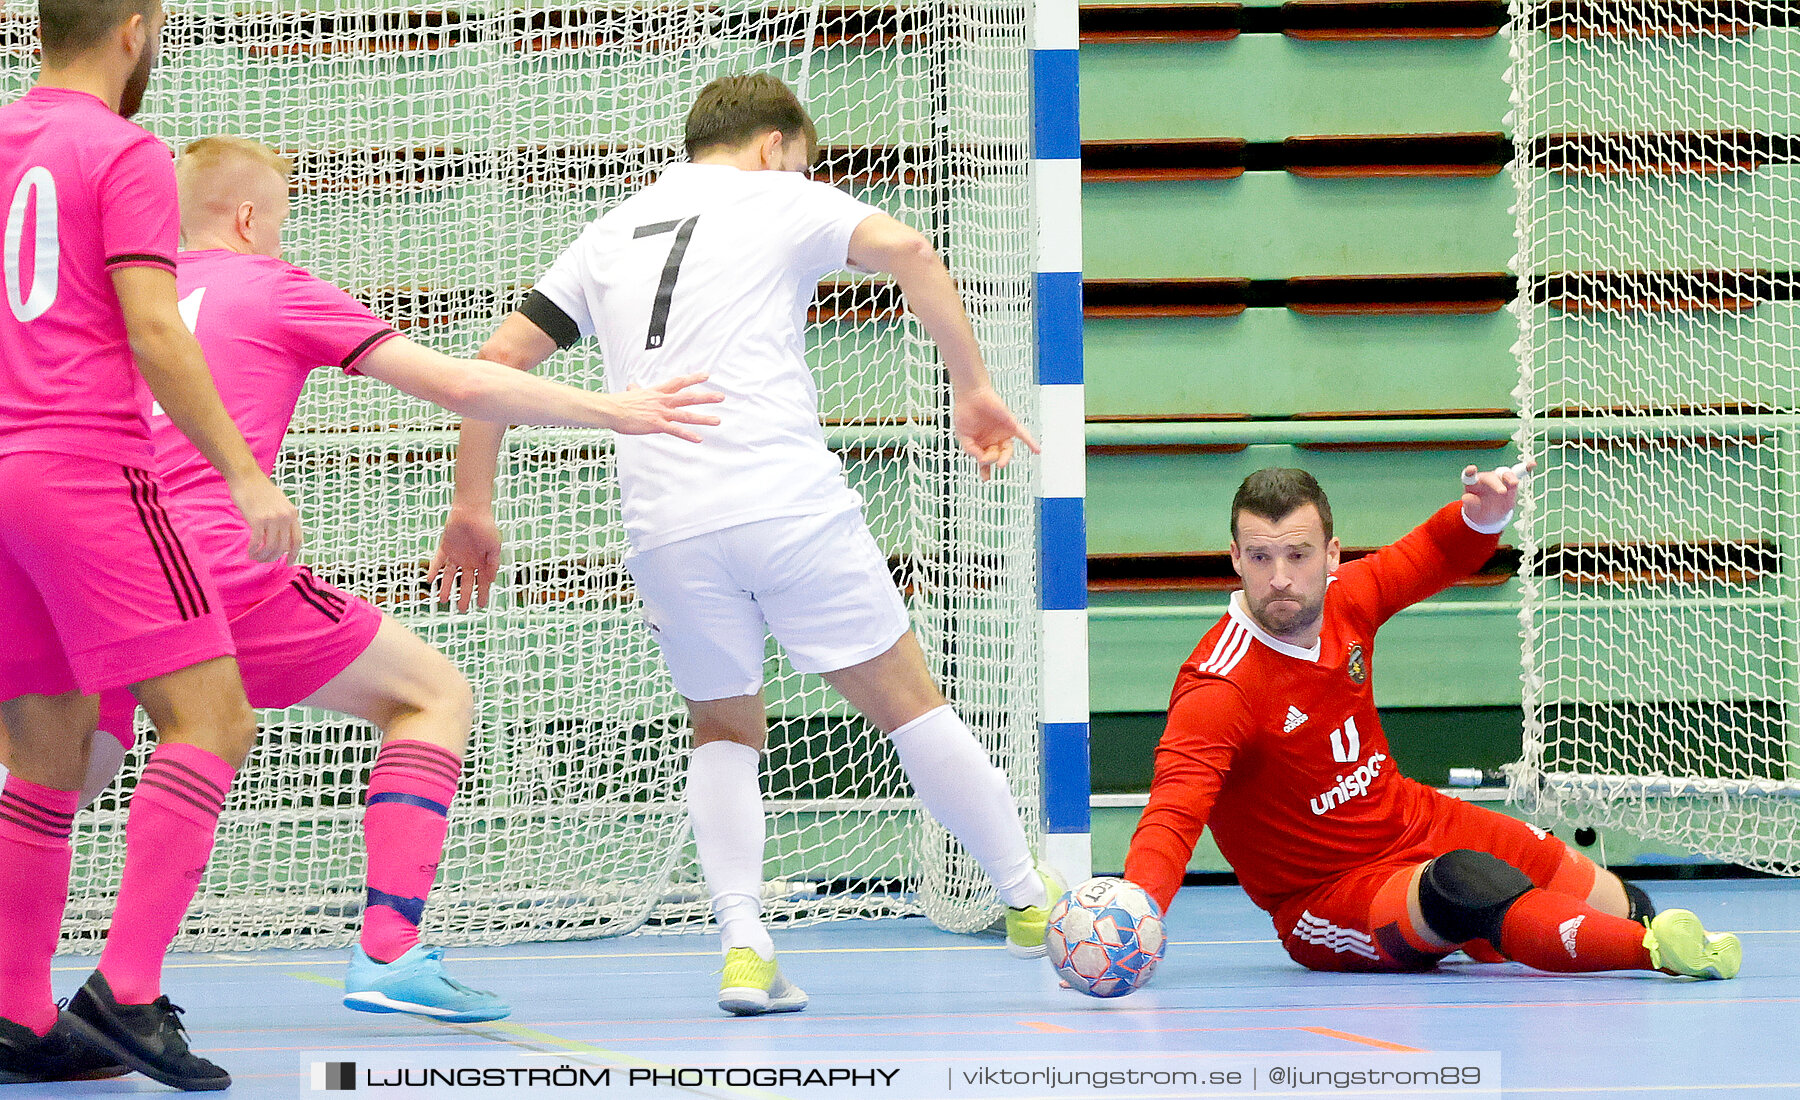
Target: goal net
column 1659, row 240
column 445, row 154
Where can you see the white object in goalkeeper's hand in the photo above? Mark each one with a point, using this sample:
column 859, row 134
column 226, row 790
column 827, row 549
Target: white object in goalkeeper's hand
column 1518, row 470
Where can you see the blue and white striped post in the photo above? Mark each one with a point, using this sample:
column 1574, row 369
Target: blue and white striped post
column 1056, row 171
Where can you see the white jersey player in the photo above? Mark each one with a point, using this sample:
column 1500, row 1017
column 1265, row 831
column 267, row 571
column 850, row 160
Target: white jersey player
column 712, row 268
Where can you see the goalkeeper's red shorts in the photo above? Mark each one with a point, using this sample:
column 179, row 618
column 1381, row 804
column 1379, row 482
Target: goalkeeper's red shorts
column 1360, row 922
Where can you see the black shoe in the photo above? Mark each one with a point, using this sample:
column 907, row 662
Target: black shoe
column 148, row 1038
column 60, row 1055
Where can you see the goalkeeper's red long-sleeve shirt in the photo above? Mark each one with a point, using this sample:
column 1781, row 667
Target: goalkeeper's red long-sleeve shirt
column 1279, row 749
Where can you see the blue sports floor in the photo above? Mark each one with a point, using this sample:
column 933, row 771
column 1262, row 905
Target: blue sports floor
column 1225, row 998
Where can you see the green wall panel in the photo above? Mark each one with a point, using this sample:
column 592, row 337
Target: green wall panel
column 1644, row 74
column 862, row 372
column 1272, row 225
column 396, row 99
column 1704, row 650
column 1265, row 87
column 1274, row 362
column 1664, row 492
column 1614, row 359
column 1652, row 221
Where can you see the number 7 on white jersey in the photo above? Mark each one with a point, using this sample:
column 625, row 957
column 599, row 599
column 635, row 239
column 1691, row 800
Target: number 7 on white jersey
column 665, row 290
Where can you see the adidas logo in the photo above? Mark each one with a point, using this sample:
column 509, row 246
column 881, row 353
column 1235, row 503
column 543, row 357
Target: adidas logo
column 1294, row 719
column 1567, row 929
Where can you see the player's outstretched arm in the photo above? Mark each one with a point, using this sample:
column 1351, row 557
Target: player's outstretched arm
column 174, row 368
column 468, row 554
column 488, row 391
column 985, row 425
column 1208, row 726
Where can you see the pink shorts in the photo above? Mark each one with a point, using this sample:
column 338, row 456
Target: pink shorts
column 97, row 589
column 289, row 645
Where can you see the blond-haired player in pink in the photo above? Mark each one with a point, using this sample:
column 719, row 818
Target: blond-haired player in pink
column 98, row 590
column 266, row 327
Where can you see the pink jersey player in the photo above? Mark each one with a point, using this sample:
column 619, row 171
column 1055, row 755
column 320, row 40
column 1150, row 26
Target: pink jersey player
column 88, row 192
column 99, row 587
column 266, row 326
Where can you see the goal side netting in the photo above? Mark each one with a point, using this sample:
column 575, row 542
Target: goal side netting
column 445, row 155
column 1658, row 187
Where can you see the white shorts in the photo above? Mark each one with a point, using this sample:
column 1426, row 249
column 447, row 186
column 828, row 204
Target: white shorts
column 818, row 583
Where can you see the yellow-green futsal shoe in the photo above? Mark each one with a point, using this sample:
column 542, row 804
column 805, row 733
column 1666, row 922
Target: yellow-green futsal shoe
column 753, row 985
column 1025, row 926
column 1679, row 945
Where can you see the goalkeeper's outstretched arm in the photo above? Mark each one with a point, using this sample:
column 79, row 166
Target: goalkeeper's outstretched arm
column 985, row 425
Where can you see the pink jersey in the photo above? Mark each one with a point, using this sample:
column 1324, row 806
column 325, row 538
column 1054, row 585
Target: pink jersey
column 86, row 193
column 264, row 325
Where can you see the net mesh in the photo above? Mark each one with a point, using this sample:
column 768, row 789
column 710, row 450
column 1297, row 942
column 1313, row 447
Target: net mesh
column 444, row 158
column 1658, row 225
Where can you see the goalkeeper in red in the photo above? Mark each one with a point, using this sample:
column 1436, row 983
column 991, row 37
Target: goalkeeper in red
column 1273, row 740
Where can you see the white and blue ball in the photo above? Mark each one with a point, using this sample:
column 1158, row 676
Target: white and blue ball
column 1105, row 937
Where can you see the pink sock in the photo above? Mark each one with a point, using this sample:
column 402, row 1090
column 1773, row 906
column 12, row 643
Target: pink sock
column 410, row 789
column 168, row 839
column 34, row 886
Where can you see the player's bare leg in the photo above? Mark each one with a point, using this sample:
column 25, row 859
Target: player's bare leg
column 405, row 688
column 955, row 780
column 204, row 706
column 46, row 738
column 741, row 718
column 423, row 706
column 1608, row 894
column 725, row 811
column 105, row 757
column 1611, row 894
column 892, row 689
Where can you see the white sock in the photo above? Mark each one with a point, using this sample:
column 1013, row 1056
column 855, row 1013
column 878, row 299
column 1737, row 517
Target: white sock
column 724, row 801
column 960, row 787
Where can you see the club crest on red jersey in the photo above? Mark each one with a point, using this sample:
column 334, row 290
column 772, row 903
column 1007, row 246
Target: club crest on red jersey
column 1358, row 668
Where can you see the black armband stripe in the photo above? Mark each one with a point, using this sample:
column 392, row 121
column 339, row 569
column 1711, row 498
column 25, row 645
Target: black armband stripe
column 364, row 348
column 140, row 258
column 549, row 316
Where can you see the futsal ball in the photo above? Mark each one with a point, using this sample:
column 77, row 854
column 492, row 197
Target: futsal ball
column 1105, row 937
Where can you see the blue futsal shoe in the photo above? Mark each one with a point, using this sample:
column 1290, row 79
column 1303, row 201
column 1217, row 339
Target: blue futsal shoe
column 416, row 983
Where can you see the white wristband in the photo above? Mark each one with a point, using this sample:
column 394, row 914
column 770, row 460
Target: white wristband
column 1517, row 471
column 1485, row 529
